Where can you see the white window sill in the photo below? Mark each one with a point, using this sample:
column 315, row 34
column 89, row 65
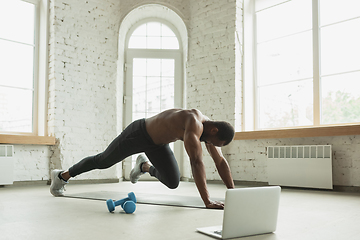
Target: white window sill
column 323, row 131
column 23, row 139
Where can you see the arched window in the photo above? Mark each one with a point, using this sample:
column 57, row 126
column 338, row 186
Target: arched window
column 153, row 70
column 153, row 43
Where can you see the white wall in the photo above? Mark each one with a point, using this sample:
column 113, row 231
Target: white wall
column 211, row 75
column 211, row 62
column 31, row 163
column 82, row 89
column 82, row 81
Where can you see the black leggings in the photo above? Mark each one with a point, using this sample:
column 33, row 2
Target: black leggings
column 134, row 139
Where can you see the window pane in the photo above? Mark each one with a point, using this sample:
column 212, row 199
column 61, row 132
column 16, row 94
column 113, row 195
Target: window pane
column 139, row 95
column 153, row 88
column 170, row 43
column 167, row 67
column 166, row 31
column 285, row 59
column 167, row 93
column 341, row 98
column 137, row 116
column 286, row 105
column 140, row 31
column 340, row 48
column 153, row 67
column 153, row 35
column 16, row 62
column 17, row 21
column 153, row 29
column 167, row 83
column 332, row 11
column 137, row 42
column 153, row 42
column 153, row 94
column 284, row 19
column 151, row 114
column 16, row 110
column 139, row 67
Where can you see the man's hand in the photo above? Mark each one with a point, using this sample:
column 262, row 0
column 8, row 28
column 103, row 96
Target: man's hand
column 215, row 205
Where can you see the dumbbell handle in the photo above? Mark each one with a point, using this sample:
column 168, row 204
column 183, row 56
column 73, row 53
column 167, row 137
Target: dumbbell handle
column 131, row 197
column 121, row 201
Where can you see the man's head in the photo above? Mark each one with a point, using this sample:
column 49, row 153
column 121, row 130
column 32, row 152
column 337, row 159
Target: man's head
column 217, row 133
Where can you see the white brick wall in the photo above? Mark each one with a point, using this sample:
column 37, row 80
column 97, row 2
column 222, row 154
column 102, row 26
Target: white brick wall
column 211, row 65
column 82, row 82
column 238, row 65
column 31, row 163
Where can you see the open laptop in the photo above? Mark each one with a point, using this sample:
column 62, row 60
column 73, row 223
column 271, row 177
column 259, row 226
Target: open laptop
column 248, row 211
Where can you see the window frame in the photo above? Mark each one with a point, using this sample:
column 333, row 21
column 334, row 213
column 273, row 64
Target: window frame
column 39, row 135
column 250, row 108
column 35, row 69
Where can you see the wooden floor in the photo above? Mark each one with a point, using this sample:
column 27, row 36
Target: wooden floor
column 31, row 212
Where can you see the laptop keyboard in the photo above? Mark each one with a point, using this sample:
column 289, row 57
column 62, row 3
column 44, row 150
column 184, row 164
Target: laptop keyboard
column 218, row 232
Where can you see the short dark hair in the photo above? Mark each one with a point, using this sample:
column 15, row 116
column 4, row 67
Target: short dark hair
column 226, row 131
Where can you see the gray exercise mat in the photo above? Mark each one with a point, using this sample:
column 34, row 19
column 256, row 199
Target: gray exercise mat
column 145, row 198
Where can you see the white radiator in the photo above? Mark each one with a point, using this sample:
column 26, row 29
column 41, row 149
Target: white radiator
column 6, row 164
column 307, row 166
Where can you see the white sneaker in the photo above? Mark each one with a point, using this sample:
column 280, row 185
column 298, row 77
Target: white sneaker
column 57, row 186
column 136, row 172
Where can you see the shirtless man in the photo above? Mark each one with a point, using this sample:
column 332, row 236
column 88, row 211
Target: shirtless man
column 152, row 136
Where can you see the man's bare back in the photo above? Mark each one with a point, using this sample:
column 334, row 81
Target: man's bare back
column 169, row 126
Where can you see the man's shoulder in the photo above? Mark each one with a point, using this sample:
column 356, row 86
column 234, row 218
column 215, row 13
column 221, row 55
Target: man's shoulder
column 188, row 118
column 193, row 120
column 196, row 114
column 192, row 116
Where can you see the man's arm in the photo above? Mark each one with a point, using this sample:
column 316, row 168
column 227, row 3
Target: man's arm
column 221, row 165
column 194, row 150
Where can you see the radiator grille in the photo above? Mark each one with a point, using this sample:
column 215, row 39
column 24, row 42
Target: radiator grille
column 300, row 166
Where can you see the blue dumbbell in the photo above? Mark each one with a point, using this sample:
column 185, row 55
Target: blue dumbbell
column 128, row 204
